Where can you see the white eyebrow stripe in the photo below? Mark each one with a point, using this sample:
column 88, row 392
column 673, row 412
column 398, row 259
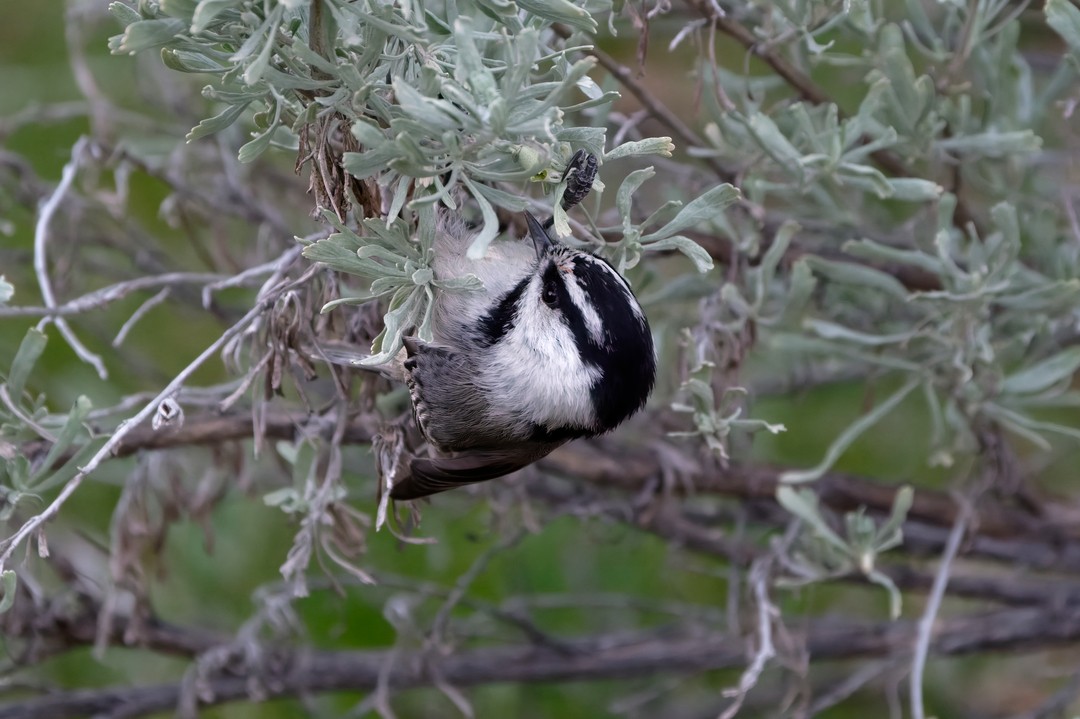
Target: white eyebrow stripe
column 588, row 311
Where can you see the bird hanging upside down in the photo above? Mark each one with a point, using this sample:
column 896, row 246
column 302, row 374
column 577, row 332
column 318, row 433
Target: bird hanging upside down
column 554, row 348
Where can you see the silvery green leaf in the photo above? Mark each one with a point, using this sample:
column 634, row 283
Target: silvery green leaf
column 901, row 505
column 145, row 34
column 561, row 11
column 758, row 425
column 251, row 150
column 914, row 189
column 306, row 55
column 560, row 221
column 665, row 210
column 1064, row 17
column 850, row 273
column 895, row 598
column 337, row 252
column 1055, row 396
column 833, row 331
column 848, row 436
column 896, row 65
column 383, row 261
column 803, row 283
column 395, row 237
column 697, row 254
column 773, row 142
column 398, row 198
column 359, row 299
column 186, row 61
column 701, row 209
column 1004, row 216
column 491, row 222
column 732, row 300
column 626, row 190
column 217, row 123
column 207, row 11
column 506, row 200
column 422, row 276
column 503, row 11
column 1044, row 374
column 183, row 9
column 124, row 13
column 877, row 252
column 436, row 114
column 588, row 86
column 470, row 69
column 10, row 582
column 992, row 144
column 287, row 498
column 268, row 31
column 30, row 349
column 363, row 165
column 73, row 427
column 803, row 503
column 514, row 81
column 779, row 247
column 7, row 291
column 404, row 308
column 802, row 344
column 681, row 288
column 1043, row 297
column 651, row 146
column 426, row 228
column 588, row 138
column 864, row 177
column 1027, row 426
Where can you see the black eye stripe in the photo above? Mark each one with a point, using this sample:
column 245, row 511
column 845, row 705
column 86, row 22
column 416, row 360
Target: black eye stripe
column 553, row 292
column 500, row 319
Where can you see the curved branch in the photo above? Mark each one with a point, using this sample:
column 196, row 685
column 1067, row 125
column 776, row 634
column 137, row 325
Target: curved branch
column 295, row 673
column 1048, row 538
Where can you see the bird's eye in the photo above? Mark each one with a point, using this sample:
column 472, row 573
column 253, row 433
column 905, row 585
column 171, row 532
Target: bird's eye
column 550, row 296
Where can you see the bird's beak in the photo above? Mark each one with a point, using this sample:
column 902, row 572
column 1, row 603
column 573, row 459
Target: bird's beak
column 540, row 238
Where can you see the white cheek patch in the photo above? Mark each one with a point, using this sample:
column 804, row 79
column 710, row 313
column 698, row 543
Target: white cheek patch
column 536, row 373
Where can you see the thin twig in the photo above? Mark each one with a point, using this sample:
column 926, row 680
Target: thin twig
column 933, row 605
column 34, row 523
column 41, row 263
column 859, row 678
column 112, row 293
column 138, row 314
column 766, row 613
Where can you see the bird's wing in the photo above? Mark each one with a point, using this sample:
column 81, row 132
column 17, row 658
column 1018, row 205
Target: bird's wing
column 438, row 474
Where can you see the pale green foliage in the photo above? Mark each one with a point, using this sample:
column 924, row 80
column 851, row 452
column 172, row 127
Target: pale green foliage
column 442, row 99
column 27, row 416
column 822, row 552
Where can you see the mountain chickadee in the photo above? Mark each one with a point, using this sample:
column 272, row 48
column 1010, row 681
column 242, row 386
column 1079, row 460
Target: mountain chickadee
column 555, row 347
